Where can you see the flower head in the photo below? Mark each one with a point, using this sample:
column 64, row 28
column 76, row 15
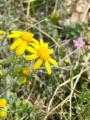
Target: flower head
column 26, row 71
column 42, row 53
column 3, row 112
column 3, row 107
column 21, row 40
column 3, row 102
column 22, row 79
column 2, row 32
column 79, row 42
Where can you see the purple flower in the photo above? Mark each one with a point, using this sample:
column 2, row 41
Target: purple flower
column 79, row 42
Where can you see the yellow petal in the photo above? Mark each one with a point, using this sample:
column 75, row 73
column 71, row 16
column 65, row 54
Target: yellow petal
column 36, row 46
column 46, row 45
column 41, row 42
column 2, row 31
column 16, row 43
column 14, row 35
column 48, row 68
column 54, row 62
column 30, row 49
column 37, row 64
column 35, row 41
column 21, row 48
column 51, row 51
column 16, row 31
column 31, row 57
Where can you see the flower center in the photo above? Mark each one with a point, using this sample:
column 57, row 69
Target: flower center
column 27, row 36
column 43, row 53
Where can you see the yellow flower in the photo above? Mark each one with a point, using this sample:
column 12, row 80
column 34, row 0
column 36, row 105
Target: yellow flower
column 3, row 112
column 26, row 71
column 22, row 79
column 2, row 32
column 22, row 39
column 3, row 102
column 41, row 52
column 3, row 107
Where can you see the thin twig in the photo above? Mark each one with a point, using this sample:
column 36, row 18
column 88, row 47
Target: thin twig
column 68, row 97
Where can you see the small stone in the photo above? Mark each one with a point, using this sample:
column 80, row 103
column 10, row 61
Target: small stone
column 81, row 7
column 67, row 22
column 88, row 28
column 75, row 17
